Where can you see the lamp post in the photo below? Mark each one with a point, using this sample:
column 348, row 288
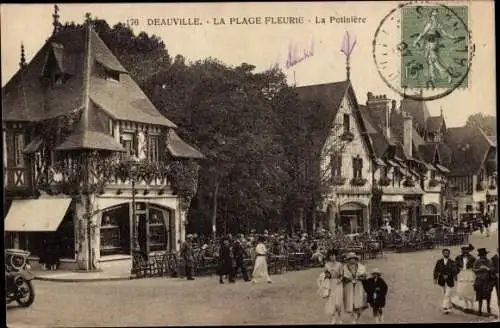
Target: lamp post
column 133, row 175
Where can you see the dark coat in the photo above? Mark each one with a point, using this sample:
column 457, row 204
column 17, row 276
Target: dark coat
column 238, row 252
column 445, row 274
column 459, row 260
column 225, row 260
column 376, row 291
column 485, row 279
column 187, row 253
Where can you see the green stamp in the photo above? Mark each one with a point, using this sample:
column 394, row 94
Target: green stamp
column 434, row 47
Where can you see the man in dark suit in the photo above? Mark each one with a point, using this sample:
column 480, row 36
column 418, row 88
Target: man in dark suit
column 225, row 261
column 445, row 275
column 187, row 254
column 239, row 258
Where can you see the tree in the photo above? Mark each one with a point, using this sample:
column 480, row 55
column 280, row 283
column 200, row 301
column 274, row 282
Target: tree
column 486, row 122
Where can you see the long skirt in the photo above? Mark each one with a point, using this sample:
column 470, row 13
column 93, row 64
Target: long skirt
column 260, row 272
column 335, row 301
column 465, row 285
column 354, row 297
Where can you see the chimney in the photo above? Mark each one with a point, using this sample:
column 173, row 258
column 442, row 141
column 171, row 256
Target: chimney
column 380, row 105
column 408, row 134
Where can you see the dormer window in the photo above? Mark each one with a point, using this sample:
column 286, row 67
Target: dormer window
column 112, row 76
column 347, row 123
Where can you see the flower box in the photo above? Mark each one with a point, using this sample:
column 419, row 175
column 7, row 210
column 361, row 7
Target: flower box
column 433, row 183
column 358, row 182
column 338, row 180
column 492, row 187
column 384, row 181
column 409, row 183
column 347, row 136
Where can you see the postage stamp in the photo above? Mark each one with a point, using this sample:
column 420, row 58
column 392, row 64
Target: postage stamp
column 437, row 52
column 424, row 51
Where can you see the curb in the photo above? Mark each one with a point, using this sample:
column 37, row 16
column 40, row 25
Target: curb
column 82, row 280
column 475, row 312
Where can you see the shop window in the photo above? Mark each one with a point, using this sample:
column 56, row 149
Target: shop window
column 115, row 231
column 158, row 230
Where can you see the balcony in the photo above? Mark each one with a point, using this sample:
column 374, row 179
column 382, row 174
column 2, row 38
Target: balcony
column 67, row 176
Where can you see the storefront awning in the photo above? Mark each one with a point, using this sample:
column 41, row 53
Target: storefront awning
column 392, row 198
column 379, row 162
column 392, row 163
column 43, row 214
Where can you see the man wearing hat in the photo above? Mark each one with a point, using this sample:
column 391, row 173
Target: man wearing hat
column 466, row 277
column 485, row 279
column 376, row 290
column 239, row 253
column 187, row 254
column 225, row 261
column 445, row 275
column 495, row 262
column 353, row 274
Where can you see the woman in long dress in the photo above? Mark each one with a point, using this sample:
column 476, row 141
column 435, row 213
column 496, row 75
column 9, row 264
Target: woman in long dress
column 353, row 274
column 335, row 301
column 260, row 272
column 466, row 277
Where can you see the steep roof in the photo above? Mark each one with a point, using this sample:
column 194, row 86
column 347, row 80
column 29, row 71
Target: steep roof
column 417, row 109
column 25, row 98
column 378, row 139
column 428, row 151
column 179, row 148
column 469, row 147
column 90, row 140
column 434, row 123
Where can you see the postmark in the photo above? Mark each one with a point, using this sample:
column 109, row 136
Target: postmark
column 424, row 51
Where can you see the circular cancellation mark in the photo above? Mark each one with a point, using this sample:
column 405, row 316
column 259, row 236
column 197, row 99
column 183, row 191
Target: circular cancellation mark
column 424, row 51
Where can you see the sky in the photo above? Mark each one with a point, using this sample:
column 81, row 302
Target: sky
column 263, row 45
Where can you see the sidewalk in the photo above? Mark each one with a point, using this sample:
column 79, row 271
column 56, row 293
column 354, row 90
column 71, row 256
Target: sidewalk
column 76, row 276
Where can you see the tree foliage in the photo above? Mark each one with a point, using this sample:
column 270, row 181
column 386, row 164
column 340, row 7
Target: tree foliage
column 260, row 141
column 486, row 122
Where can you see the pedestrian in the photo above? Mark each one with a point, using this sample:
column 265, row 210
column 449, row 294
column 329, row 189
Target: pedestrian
column 187, row 254
column 335, row 301
column 445, row 275
column 225, row 261
column 486, row 224
column 239, row 258
column 466, row 277
column 376, row 291
column 353, row 274
column 495, row 262
column 485, row 279
column 260, row 271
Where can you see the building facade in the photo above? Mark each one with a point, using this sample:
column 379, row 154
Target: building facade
column 345, row 158
column 90, row 164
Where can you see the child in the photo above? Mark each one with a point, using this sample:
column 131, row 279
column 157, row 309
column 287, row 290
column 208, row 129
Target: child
column 376, row 290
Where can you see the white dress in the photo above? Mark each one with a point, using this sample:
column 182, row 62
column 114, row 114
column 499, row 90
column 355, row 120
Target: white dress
column 354, row 292
column 335, row 300
column 260, row 272
column 465, row 283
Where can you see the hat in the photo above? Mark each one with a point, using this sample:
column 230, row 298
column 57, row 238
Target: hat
column 351, row 255
column 482, row 251
column 467, row 248
column 189, row 236
column 376, row 271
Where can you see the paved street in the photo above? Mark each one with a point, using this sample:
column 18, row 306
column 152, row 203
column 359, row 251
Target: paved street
column 292, row 299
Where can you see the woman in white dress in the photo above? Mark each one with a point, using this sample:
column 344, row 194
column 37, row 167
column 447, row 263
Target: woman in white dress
column 335, row 301
column 466, row 277
column 260, row 272
column 353, row 274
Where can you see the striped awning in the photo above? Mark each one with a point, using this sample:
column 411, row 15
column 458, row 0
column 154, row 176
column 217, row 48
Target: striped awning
column 379, row 162
column 392, row 163
column 430, row 167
